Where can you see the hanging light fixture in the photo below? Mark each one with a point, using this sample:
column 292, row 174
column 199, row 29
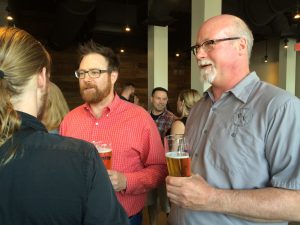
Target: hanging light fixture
column 286, row 41
column 297, row 14
column 127, row 27
column 9, row 18
column 10, row 21
column 266, row 56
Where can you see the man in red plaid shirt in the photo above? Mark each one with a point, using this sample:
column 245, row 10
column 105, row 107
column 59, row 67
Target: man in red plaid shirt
column 162, row 117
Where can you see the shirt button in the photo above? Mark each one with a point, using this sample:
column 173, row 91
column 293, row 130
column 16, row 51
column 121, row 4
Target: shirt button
column 106, row 115
column 97, row 123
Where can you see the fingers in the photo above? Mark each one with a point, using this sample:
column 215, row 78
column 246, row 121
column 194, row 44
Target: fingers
column 176, row 181
column 117, row 180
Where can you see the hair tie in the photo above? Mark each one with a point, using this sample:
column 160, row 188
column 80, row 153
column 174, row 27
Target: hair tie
column 1, row 74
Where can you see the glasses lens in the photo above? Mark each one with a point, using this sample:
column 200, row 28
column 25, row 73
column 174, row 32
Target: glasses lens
column 194, row 49
column 208, row 45
column 79, row 74
column 94, row 73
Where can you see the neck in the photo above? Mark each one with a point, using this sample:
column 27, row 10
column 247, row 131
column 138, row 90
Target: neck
column 126, row 95
column 232, row 80
column 98, row 108
column 155, row 112
column 22, row 104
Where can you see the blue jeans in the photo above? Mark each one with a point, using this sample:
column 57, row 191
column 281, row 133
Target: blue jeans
column 136, row 219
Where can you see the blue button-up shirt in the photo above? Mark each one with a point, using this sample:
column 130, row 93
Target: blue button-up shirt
column 247, row 139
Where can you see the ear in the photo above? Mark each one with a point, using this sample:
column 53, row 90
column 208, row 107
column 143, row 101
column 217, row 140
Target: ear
column 42, row 79
column 114, row 76
column 243, row 46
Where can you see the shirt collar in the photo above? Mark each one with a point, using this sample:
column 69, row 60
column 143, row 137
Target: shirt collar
column 31, row 121
column 110, row 108
column 242, row 90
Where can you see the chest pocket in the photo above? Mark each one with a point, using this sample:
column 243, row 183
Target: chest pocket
column 234, row 147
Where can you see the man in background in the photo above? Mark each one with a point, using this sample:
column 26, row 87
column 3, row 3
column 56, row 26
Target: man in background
column 163, row 119
column 159, row 112
column 138, row 161
column 128, row 93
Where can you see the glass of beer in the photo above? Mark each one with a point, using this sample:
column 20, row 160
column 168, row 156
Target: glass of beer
column 177, row 155
column 105, row 153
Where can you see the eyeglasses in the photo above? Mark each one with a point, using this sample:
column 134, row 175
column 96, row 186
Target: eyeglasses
column 93, row 73
column 209, row 44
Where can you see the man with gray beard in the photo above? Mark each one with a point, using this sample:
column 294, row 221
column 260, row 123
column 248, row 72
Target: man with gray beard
column 138, row 162
column 244, row 139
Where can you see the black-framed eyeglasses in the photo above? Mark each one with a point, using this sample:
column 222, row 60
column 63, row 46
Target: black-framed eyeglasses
column 209, row 44
column 93, row 73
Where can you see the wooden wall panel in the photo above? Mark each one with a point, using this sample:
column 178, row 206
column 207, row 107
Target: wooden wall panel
column 133, row 69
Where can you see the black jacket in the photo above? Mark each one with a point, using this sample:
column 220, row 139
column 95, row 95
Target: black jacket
column 55, row 180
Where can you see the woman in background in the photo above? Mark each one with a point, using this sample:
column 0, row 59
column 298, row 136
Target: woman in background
column 186, row 99
column 55, row 110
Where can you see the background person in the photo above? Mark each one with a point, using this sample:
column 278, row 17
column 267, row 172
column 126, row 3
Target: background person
column 244, row 135
column 55, row 110
column 159, row 112
column 128, row 93
column 138, row 161
column 163, row 119
column 186, row 99
column 44, row 179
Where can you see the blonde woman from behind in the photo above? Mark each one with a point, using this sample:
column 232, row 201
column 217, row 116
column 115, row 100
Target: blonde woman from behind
column 55, row 110
column 186, row 99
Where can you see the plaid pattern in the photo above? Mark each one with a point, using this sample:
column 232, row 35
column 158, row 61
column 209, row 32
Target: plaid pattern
column 164, row 123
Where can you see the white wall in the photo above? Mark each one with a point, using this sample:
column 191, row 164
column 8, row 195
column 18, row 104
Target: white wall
column 269, row 71
column 266, row 71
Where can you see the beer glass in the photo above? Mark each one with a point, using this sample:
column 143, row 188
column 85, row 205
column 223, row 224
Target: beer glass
column 105, row 153
column 177, row 155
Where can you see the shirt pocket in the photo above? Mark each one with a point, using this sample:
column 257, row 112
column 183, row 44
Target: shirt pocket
column 235, row 147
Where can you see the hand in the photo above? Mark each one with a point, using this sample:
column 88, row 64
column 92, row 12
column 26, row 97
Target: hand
column 118, row 180
column 190, row 192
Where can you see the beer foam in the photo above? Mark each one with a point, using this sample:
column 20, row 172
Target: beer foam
column 104, row 150
column 177, row 155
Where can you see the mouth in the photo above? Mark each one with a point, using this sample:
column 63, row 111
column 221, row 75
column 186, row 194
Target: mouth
column 203, row 66
column 88, row 89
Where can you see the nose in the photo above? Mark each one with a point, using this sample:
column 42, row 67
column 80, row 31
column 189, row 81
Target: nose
column 201, row 53
column 86, row 77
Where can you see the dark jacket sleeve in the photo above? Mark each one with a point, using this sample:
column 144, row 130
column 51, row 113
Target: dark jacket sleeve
column 102, row 206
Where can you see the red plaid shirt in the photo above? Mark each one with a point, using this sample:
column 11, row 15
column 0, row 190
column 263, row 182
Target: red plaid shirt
column 164, row 123
column 137, row 149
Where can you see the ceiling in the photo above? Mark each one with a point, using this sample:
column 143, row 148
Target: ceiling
column 61, row 23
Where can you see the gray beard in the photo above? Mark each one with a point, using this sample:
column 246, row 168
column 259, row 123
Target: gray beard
column 208, row 75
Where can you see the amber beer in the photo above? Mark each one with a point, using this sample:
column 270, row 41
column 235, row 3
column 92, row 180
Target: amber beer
column 179, row 164
column 105, row 154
